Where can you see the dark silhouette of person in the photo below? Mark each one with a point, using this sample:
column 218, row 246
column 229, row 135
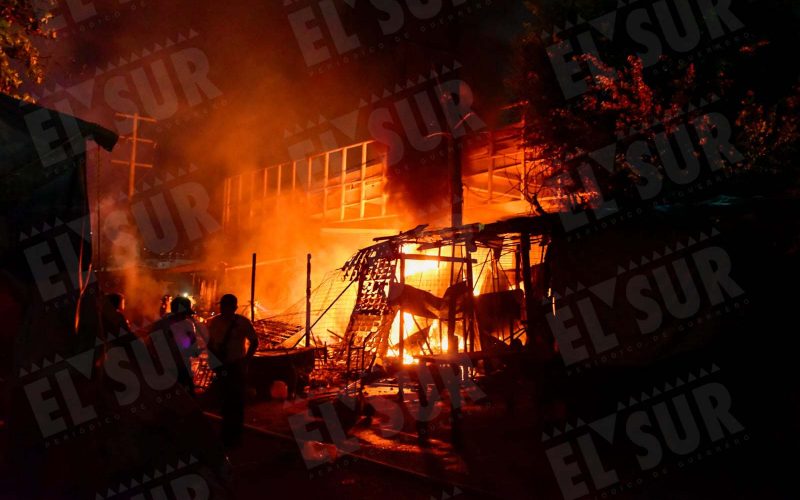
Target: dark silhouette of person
column 227, row 356
column 180, row 331
column 166, row 303
column 114, row 321
column 117, row 301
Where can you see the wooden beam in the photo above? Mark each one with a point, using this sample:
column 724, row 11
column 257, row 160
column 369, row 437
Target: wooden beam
column 527, row 281
column 438, row 258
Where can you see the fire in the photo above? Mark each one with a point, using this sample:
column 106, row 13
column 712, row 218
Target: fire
column 419, row 266
column 413, row 266
column 409, row 328
column 436, row 341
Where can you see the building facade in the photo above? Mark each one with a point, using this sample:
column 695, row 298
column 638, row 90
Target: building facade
column 347, row 187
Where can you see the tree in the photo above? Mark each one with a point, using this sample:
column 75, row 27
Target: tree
column 21, row 23
column 769, row 133
column 757, row 86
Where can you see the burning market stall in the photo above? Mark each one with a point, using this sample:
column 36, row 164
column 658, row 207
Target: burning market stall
column 474, row 288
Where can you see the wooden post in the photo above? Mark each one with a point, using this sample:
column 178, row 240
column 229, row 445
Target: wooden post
column 530, row 307
column 308, row 300
column 452, row 342
column 400, row 348
column 469, row 309
column 253, row 290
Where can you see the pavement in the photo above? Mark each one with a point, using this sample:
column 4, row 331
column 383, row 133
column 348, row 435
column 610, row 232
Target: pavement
column 495, row 459
column 270, row 464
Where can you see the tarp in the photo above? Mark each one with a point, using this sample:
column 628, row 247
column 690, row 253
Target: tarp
column 499, row 311
column 415, row 301
column 425, row 304
column 45, row 241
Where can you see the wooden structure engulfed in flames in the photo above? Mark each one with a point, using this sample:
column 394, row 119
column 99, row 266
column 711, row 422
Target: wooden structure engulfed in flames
column 421, row 292
column 468, row 301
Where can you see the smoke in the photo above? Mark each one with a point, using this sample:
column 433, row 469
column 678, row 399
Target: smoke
column 281, row 241
column 122, row 268
column 425, row 202
column 256, row 86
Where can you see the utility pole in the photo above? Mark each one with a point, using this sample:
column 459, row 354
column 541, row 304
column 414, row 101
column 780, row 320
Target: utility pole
column 135, row 140
column 456, row 181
